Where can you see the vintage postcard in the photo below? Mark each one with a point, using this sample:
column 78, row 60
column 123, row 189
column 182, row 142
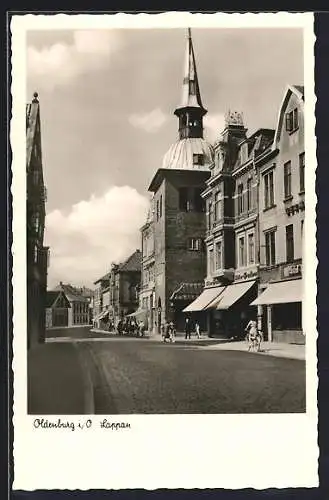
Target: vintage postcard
column 164, row 251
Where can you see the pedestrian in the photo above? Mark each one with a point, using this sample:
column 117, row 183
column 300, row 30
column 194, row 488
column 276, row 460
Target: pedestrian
column 172, row 332
column 197, row 330
column 187, row 328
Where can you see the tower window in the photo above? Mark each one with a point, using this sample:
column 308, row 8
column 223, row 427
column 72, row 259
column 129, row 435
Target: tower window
column 198, row 159
column 192, row 88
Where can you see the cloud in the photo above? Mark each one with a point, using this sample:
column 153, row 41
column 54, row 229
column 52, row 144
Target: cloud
column 150, row 122
column 61, row 63
column 93, row 234
column 214, row 125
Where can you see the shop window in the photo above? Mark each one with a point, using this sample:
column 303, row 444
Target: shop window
column 287, row 179
column 290, row 242
column 287, row 316
column 268, row 190
column 270, row 248
column 302, row 172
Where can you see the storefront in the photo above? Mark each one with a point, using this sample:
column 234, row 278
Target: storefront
column 281, row 307
column 226, row 308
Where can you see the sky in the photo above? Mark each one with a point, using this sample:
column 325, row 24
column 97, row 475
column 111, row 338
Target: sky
column 107, row 99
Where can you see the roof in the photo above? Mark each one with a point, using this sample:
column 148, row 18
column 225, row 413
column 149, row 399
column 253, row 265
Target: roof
column 182, row 154
column 53, row 295
column 133, row 263
column 32, row 126
column 191, row 92
column 298, row 91
column 171, row 173
column 72, row 293
column 187, row 291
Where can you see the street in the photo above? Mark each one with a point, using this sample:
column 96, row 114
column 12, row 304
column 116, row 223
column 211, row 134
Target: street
column 145, row 376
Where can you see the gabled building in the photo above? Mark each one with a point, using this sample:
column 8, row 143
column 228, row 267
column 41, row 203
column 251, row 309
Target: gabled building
column 117, row 292
column 281, row 172
column 78, row 312
column 37, row 253
column 178, row 224
column 57, row 309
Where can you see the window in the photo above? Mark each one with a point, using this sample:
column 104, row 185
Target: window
column 251, row 248
column 302, row 172
column 218, row 255
column 270, row 248
column 160, row 208
column 209, row 215
column 241, row 252
column 211, row 261
column 240, row 198
column 287, row 179
column 244, row 152
column 192, row 87
column 183, row 198
column 218, row 206
column 35, row 254
column 292, row 120
column 268, row 190
column 290, row 243
column 198, row 159
column 249, row 194
column 194, row 244
column 36, row 177
column 302, row 229
column 199, row 203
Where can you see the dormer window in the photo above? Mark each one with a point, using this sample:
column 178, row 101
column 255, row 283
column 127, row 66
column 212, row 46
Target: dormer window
column 244, row 152
column 192, row 88
column 198, row 159
column 292, row 120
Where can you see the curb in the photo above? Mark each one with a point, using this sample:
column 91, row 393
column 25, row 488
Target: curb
column 88, row 386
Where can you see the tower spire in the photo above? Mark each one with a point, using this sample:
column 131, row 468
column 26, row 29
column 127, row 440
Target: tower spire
column 191, row 110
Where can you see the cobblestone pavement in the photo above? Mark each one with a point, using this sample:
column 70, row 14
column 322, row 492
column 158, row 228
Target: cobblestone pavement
column 141, row 376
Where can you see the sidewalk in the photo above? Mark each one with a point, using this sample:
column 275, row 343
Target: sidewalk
column 281, row 350
column 58, row 383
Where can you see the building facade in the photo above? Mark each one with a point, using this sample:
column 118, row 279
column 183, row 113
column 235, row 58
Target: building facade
column 57, row 309
column 117, row 292
column 37, row 253
column 78, row 312
column 147, row 301
column 255, row 217
column 281, row 172
column 178, row 223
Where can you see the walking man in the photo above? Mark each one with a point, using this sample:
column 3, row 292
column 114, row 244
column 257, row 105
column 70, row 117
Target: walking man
column 187, row 328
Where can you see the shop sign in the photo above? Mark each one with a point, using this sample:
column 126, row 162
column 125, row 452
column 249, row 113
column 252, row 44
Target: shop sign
column 246, row 275
column 292, row 270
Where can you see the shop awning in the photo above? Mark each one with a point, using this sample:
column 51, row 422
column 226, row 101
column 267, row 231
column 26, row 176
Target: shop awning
column 103, row 315
column 140, row 313
column 232, row 294
column 207, row 296
column 281, row 293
